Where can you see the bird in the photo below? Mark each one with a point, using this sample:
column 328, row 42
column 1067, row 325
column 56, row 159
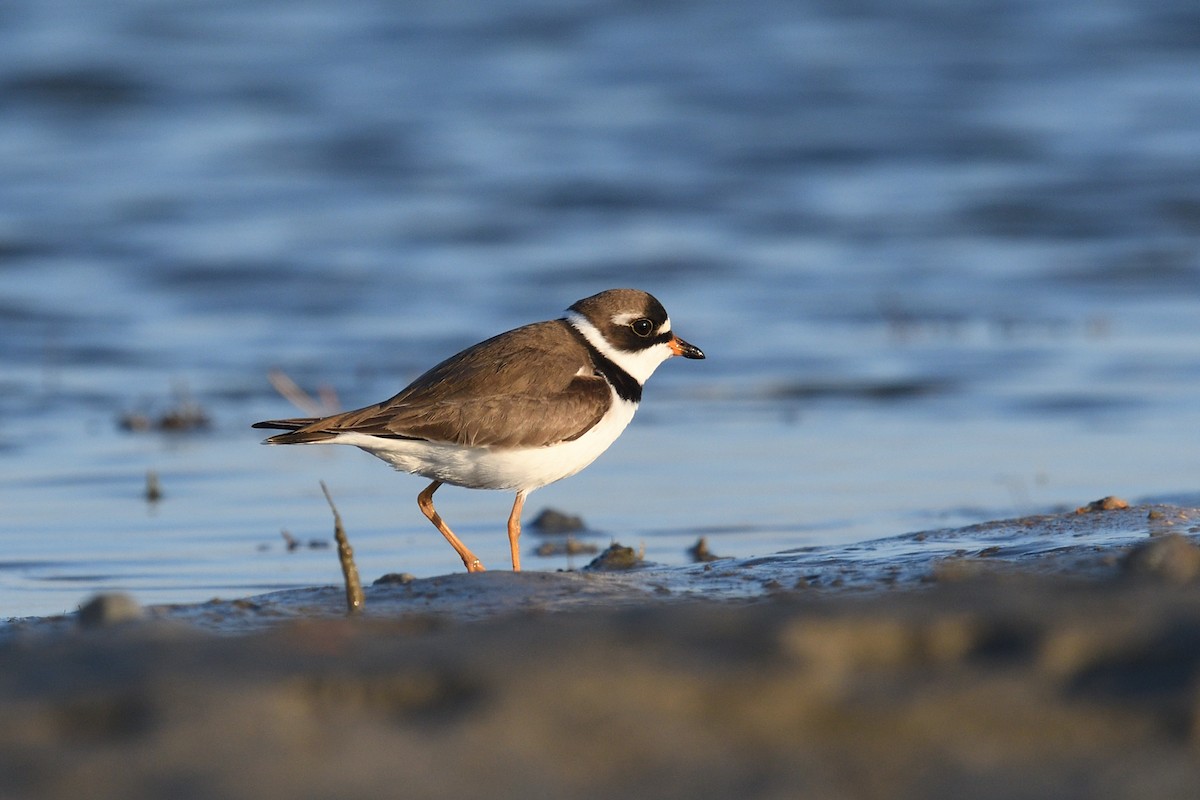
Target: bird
column 515, row 412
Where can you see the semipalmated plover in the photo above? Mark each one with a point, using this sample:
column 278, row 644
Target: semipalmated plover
column 517, row 411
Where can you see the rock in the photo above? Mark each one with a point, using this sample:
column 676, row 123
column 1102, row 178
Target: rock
column 616, row 557
column 110, row 608
column 553, row 521
column 1109, row 503
column 394, row 578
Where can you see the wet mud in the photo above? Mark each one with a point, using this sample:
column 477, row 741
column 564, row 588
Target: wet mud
column 942, row 664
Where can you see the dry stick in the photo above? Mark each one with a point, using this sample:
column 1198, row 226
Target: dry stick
column 354, row 592
column 327, row 404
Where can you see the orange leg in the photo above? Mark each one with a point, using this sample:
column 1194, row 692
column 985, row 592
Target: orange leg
column 425, row 502
column 514, row 530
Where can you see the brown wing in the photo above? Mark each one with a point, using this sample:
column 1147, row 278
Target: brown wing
column 489, row 395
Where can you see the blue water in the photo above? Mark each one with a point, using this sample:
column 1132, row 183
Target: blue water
column 944, row 260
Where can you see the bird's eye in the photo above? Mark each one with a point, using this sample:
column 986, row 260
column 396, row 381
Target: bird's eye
column 642, row 327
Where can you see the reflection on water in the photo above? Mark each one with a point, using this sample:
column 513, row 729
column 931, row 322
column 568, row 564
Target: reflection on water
column 943, row 260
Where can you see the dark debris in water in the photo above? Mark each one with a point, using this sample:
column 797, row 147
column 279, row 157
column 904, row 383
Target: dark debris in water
column 174, row 421
column 700, row 553
column 153, row 492
column 293, row 544
column 185, row 416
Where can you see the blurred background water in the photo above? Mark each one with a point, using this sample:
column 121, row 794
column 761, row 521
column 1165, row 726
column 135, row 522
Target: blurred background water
column 943, row 258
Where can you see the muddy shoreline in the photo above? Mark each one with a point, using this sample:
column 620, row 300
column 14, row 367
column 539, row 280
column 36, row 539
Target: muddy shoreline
column 943, row 664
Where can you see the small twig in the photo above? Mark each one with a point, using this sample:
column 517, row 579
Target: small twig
column 354, row 592
column 291, row 391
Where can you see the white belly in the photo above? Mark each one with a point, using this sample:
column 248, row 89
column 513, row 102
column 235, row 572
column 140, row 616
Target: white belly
column 486, row 468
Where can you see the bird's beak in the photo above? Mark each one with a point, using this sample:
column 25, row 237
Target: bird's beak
column 681, row 348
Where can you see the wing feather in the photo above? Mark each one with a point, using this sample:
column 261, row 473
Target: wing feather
column 486, row 396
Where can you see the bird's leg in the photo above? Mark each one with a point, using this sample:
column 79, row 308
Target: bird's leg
column 514, row 530
column 425, row 502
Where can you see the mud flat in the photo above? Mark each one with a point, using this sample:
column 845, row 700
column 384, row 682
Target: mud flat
column 1054, row 656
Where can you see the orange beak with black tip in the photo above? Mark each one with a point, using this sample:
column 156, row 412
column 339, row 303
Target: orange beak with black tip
column 681, row 348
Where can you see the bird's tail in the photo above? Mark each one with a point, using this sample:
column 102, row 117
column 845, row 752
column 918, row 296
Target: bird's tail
column 296, row 434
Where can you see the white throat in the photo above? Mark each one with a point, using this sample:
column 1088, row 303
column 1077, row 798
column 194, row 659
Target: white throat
column 640, row 364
